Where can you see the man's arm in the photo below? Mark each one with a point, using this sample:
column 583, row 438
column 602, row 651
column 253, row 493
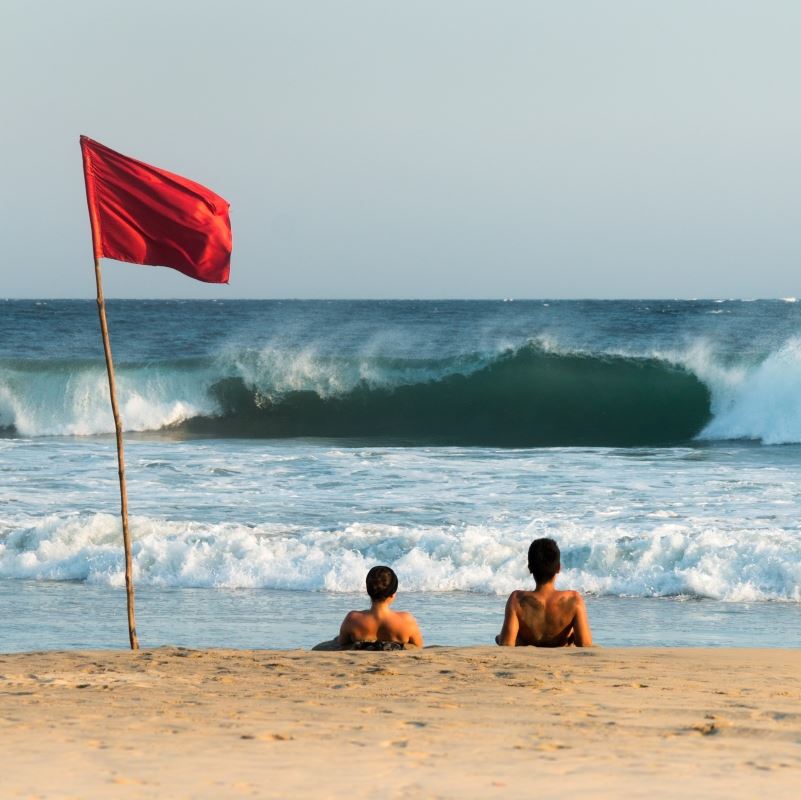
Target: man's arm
column 582, row 637
column 511, row 623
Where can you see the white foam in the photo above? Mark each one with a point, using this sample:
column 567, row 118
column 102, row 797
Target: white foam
column 670, row 559
column 759, row 402
column 273, row 370
column 75, row 402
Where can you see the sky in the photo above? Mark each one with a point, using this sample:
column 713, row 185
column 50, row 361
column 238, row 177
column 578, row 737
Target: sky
column 423, row 149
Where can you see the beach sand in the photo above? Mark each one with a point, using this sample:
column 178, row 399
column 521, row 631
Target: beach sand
column 442, row 722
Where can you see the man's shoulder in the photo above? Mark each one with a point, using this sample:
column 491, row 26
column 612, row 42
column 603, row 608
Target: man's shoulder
column 521, row 596
column 571, row 596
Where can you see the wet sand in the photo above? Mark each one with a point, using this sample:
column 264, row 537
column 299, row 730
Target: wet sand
column 439, row 723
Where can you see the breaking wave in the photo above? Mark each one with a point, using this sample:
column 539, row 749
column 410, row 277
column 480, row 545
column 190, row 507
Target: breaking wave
column 533, row 395
column 524, row 397
column 670, row 560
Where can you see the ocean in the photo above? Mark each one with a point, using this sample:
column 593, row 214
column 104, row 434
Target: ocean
column 276, row 450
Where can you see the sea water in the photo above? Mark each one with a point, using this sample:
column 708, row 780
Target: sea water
column 276, row 450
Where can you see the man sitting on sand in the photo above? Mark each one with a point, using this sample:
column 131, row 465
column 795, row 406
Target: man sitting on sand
column 545, row 617
column 379, row 628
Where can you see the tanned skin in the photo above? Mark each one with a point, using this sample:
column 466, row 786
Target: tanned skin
column 380, row 624
column 545, row 617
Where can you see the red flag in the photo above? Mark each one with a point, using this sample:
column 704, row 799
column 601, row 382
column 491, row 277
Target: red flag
column 146, row 215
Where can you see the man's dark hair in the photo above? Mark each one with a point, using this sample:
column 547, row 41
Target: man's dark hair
column 382, row 583
column 544, row 559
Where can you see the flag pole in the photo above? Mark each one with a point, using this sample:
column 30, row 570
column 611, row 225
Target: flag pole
column 185, row 226
column 126, row 535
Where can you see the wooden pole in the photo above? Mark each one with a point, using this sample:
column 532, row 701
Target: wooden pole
column 126, row 536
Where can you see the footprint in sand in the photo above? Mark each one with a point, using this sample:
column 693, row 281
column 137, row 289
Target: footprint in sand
column 381, row 670
column 705, row 728
column 551, row 746
column 545, row 747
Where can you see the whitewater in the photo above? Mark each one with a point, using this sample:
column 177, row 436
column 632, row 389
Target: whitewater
column 277, row 449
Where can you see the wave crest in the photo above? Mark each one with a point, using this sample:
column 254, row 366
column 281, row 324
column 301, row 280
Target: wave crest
column 529, row 396
column 533, row 395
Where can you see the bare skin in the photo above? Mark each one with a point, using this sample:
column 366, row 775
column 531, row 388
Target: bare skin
column 380, row 624
column 546, row 617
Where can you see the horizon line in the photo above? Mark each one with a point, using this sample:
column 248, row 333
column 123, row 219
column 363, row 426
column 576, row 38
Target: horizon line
column 787, row 299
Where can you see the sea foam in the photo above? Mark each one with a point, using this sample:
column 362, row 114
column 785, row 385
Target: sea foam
column 672, row 559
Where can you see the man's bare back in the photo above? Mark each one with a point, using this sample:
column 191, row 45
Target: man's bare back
column 546, row 617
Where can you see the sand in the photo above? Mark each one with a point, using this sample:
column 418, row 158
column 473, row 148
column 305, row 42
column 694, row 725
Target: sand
column 441, row 723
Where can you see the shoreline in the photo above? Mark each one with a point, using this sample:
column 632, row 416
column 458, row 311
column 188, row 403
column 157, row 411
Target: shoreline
column 57, row 615
column 438, row 722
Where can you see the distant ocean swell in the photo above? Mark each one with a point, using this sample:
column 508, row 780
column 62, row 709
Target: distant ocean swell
column 670, row 560
column 529, row 396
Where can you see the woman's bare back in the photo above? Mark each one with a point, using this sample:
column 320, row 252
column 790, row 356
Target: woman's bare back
column 391, row 626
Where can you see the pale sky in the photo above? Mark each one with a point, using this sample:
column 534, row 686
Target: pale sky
column 418, row 149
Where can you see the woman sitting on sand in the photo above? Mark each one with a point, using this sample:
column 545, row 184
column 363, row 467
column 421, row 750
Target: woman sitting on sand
column 378, row 628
